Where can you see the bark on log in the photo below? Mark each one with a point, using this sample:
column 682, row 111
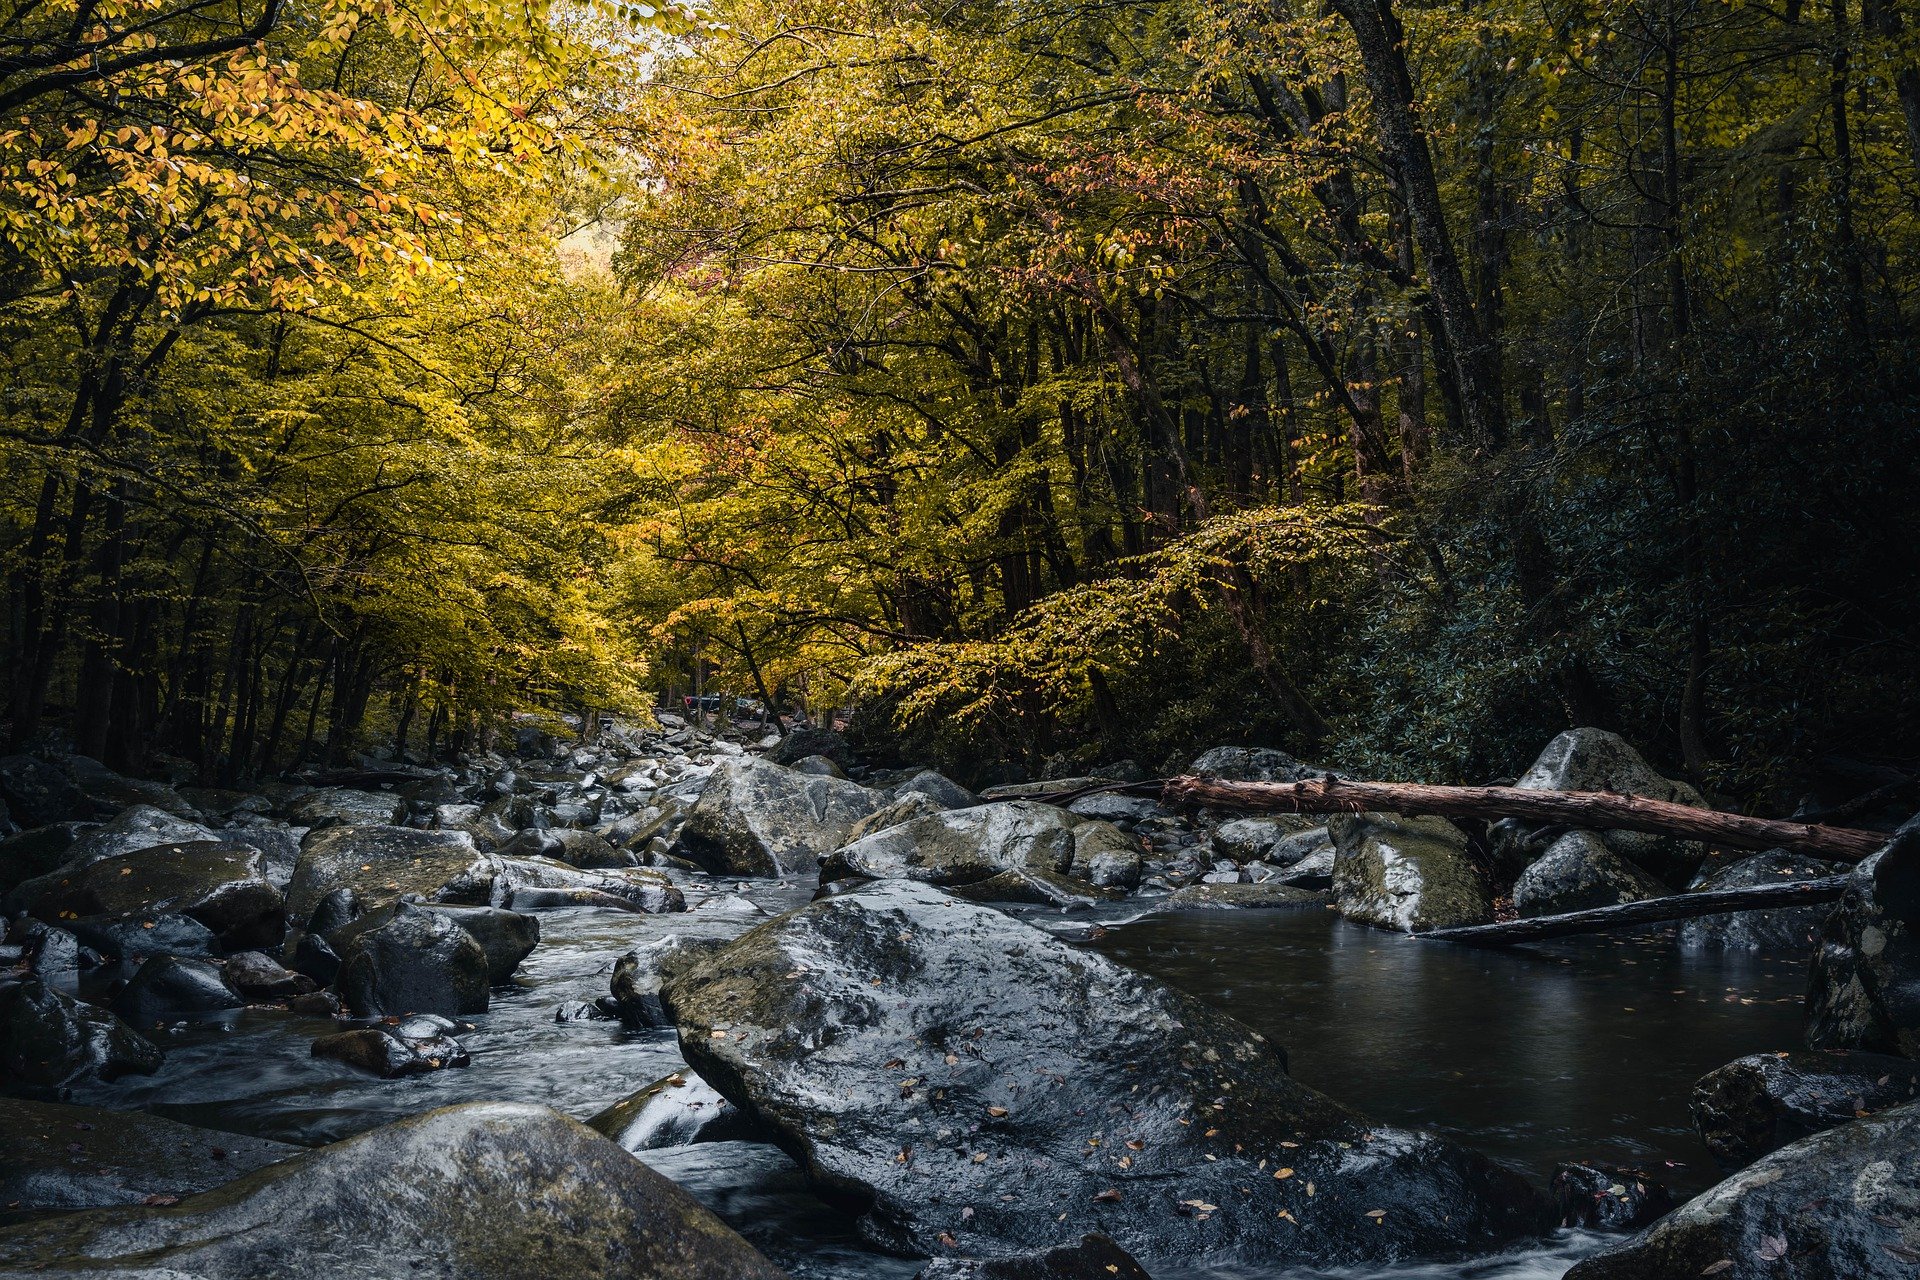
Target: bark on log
column 1591, row 810
column 1679, row 906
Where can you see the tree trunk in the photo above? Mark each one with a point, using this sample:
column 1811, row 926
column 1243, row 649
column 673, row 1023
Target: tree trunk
column 1678, row 906
column 1596, row 810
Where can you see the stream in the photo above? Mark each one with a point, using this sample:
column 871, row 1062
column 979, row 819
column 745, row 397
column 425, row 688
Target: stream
column 1586, row 1049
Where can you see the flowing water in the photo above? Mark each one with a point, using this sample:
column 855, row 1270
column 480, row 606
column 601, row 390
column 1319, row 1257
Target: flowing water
column 1586, row 1049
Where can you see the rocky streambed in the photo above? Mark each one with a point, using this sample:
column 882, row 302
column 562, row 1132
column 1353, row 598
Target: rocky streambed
column 872, row 1025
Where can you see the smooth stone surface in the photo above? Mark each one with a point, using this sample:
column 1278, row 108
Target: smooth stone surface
column 541, row 884
column 62, row 1157
column 758, row 819
column 414, row 961
column 1841, row 1204
column 1762, row 1102
column 382, row 864
column 904, row 809
column 1030, row 886
column 344, row 806
column 504, row 1191
column 49, row 1040
column 134, row 937
column 1407, row 874
column 168, row 989
column 1105, row 856
column 414, row 1047
column 223, row 886
column 672, row 1112
column 1578, row 872
column 982, row 1087
column 1606, row 1197
column 1791, row 929
column 959, row 846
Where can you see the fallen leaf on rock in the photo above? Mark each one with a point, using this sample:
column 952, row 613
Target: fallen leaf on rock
column 1283, row 1173
column 1725, row 1264
column 1772, row 1248
column 1109, row 1196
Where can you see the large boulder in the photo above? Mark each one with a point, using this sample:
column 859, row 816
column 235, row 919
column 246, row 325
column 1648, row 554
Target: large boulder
column 1249, row 839
column 1865, row 990
column 397, row 1047
column 50, row 1041
column 977, row 1085
column 538, row 884
column 383, row 864
column 939, row 788
column 758, row 819
column 168, row 988
column 1792, row 930
column 140, row 827
column 1578, row 872
column 903, row 809
column 1410, row 874
column 804, row 741
column 413, row 960
column 1252, row 764
column 1105, row 856
column 674, row 1111
column 107, row 790
column 960, row 846
column 223, row 886
column 344, row 806
column 506, row 1191
column 634, row 990
column 1760, row 1103
column 1843, row 1203
column 63, row 1158
column 1595, row 760
column 26, row 854
column 506, row 937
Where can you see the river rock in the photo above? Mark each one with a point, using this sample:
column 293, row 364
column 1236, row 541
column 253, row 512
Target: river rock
column 383, row 864
column 981, row 1087
column 1268, row 896
column 1032, row 886
column 674, row 1111
column 49, row 1040
column 1595, row 760
column 1843, row 1203
column 63, row 1158
column 410, row 1047
column 140, row 827
column 256, row 976
column 634, row 991
column 1094, row 1258
column 758, row 819
column 1294, row 849
column 1865, row 989
column 279, row 847
column 37, row 793
column 1762, row 1102
column 1252, row 764
column 1403, row 873
column 1606, row 1197
column 802, row 742
column 1577, row 872
column 108, row 791
column 959, row 846
column 505, row 1191
column 1251, row 839
column 413, row 961
column 819, row 766
column 539, row 884
column 168, row 989
column 142, row 934
column 1105, row 856
column 904, row 809
column 346, row 807
column 939, row 788
column 26, row 854
column 223, row 886
column 507, row 937
column 1786, row 929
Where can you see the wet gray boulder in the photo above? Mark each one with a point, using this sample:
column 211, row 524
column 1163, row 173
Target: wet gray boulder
column 939, row 788
column 107, row 790
column 506, row 937
column 1094, row 1258
column 978, row 1086
column 758, row 819
column 571, row 845
column 1297, row 848
column 415, row 960
column 802, row 742
column 1578, row 872
column 634, row 990
column 540, row 884
column 1865, row 987
column 1272, row 895
column 61, row 1157
column 1606, row 1197
column 674, row 1111
column 1252, row 764
column 37, row 793
column 406, row 1047
column 256, row 976
column 142, row 934
column 820, row 766
column 169, row 989
column 1033, row 886
column 346, row 807
column 50, row 1041
column 26, row 854
column 1842, row 1203
column 904, row 809
column 1409, row 874
column 279, row 847
column 1105, row 856
column 383, row 864
column 1253, row 838
column 223, row 886
column 1760, row 1103
column 1595, row 760
column 131, row 830
column 1791, row 930
column 960, row 846
column 506, row 1191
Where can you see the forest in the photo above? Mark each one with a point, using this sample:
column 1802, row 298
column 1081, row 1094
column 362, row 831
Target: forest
column 959, row 487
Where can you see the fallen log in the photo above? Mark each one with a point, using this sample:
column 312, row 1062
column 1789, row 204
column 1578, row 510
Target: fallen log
column 1679, row 906
column 1591, row 810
